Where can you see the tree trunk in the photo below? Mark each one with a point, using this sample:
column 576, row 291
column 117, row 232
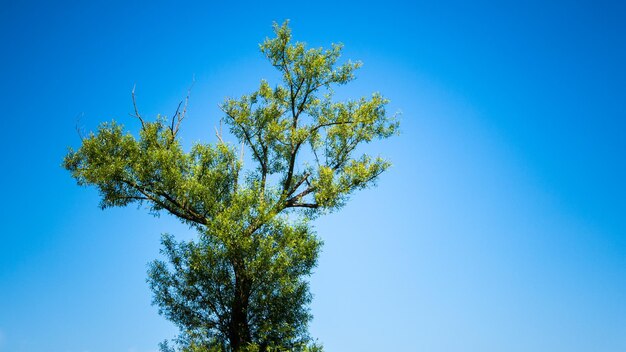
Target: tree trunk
column 239, row 327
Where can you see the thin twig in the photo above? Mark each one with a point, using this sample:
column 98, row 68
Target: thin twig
column 217, row 133
column 181, row 116
column 78, row 129
column 135, row 106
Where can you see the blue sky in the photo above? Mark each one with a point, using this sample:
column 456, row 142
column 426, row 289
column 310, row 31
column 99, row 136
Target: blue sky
column 500, row 227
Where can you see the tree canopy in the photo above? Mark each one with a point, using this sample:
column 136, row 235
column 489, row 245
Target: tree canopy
column 241, row 284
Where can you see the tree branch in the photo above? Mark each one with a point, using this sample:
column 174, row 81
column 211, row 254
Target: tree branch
column 174, row 117
column 247, row 138
column 299, row 183
column 304, row 205
column 334, row 123
column 293, row 200
column 180, row 117
column 132, row 93
column 153, row 196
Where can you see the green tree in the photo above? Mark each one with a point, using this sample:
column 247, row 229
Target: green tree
column 241, row 285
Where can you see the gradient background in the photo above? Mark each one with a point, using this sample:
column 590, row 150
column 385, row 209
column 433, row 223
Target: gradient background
column 501, row 226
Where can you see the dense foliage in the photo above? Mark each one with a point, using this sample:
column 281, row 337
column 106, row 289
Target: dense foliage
column 241, row 285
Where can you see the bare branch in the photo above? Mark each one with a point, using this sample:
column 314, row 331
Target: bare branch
column 304, row 99
column 78, row 128
column 218, row 135
column 299, row 183
column 304, row 205
column 174, row 116
column 330, row 124
column 293, row 200
column 135, row 106
column 181, row 116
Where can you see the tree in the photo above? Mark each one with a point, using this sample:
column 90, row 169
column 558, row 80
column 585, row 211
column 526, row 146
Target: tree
column 241, row 285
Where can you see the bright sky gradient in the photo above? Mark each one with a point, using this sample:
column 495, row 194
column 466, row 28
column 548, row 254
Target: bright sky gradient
column 501, row 226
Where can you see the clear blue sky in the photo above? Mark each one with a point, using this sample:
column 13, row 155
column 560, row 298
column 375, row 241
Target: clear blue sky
column 501, row 226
